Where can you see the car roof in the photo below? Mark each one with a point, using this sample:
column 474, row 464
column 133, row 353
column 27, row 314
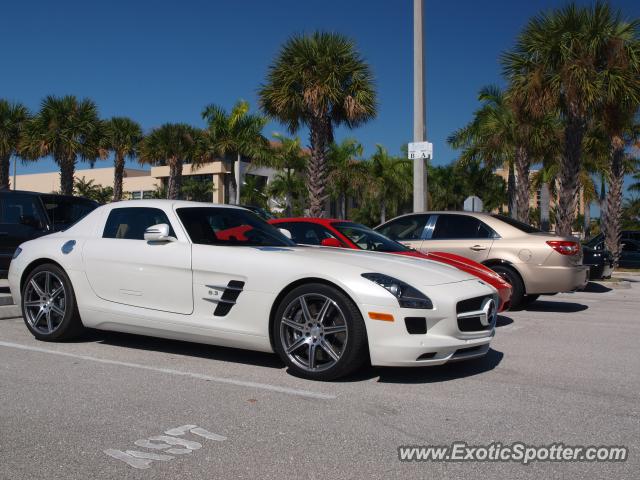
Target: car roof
column 164, row 203
column 319, row 221
column 41, row 194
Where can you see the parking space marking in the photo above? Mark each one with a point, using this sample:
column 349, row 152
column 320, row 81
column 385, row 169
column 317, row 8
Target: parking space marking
column 170, row 371
column 166, row 443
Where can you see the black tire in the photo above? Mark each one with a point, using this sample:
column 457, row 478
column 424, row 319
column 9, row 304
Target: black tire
column 353, row 352
column 513, row 277
column 64, row 327
column 529, row 299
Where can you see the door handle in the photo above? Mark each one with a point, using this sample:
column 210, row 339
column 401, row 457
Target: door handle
column 477, row 248
column 4, row 234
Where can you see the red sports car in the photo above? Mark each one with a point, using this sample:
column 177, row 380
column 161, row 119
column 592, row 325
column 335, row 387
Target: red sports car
column 340, row 233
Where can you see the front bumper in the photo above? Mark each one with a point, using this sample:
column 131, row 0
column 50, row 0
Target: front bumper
column 505, row 298
column 391, row 344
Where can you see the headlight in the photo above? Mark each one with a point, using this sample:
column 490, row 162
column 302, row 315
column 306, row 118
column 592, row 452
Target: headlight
column 408, row 297
column 17, row 252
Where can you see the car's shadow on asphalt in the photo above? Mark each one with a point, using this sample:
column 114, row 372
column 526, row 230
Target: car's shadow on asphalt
column 503, row 321
column 555, row 306
column 186, row 349
column 441, row 373
column 593, row 287
column 436, row 374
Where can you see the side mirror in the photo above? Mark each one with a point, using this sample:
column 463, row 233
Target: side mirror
column 158, row 233
column 285, row 232
column 330, row 242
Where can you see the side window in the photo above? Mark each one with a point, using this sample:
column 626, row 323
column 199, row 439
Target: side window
column 130, row 223
column 458, row 227
column 405, row 228
column 23, row 210
column 629, row 247
column 306, row 233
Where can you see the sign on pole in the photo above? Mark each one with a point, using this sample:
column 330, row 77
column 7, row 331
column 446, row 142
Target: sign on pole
column 472, row 204
column 420, row 150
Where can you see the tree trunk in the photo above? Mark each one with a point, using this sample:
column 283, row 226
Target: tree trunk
column 511, row 191
column 118, row 175
column 319, row 133
column 230, row 181
column 611, row 223
column 238, row 178
column 587, row 220
column 570, row 164
column 342, row 204
column 175, row 179
column 545, row 204
column 287, row 203
column 522, row 185
column 67, row 171
column 383, row 211
column 5, row 162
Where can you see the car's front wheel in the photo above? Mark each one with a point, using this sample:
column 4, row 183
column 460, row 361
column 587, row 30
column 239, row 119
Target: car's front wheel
column 49, row 304
column 319, row 332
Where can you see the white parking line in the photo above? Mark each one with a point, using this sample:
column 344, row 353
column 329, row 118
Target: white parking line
column 230, row 381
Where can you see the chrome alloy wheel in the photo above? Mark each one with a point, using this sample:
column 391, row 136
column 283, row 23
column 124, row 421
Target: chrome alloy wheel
column 313, row 332
column 44, row 302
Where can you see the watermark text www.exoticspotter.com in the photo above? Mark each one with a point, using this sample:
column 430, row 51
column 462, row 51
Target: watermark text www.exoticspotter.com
column 516, row 452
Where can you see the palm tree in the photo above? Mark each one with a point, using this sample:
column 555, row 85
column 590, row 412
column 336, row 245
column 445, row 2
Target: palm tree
column 172, row 144
column 568, row 61
column 346, row 174
column 89, row 189
column 85, row 188
column 12, row 119
column 320, row 81
column 489, row 138
column 121, row 136
column 390, row 180
column 232, row 136
column 67, row 129
column 196, row 189
column 287, row 157
column 622, row 131
column 253, row 192
column 503, row 133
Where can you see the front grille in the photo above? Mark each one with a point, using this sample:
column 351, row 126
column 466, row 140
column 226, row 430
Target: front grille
column 477, row 314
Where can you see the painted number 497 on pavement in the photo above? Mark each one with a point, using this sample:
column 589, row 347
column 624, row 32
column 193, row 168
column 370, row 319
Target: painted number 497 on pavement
column 166, row 446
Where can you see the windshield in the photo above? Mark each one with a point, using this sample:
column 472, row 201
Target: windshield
column 230, row 226
column 523, row 227
column 65, row 211
column 368, row 239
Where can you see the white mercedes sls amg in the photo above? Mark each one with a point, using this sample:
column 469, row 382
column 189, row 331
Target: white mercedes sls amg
column 220, row 275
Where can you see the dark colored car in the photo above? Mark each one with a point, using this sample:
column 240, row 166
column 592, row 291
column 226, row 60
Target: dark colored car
column 630, row 255
column 28, row 215
column 600, row 262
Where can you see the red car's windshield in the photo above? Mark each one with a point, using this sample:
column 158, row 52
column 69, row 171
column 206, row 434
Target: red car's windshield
column 367, row 239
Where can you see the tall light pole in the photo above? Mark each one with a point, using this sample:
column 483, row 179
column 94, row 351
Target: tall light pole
column 420, row 188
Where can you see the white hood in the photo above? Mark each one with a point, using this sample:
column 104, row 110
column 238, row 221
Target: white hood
column 415, row 271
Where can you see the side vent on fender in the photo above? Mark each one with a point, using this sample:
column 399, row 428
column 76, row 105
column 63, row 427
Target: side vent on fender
column 228, row 298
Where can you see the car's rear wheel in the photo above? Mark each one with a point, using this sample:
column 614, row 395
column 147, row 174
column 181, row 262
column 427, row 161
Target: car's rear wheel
column 319, row 332
column 49, row 304
column 517, row 286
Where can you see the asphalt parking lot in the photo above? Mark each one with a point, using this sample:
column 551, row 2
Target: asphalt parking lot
column 565, row 370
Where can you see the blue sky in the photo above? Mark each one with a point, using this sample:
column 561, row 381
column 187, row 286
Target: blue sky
column 164, row 61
